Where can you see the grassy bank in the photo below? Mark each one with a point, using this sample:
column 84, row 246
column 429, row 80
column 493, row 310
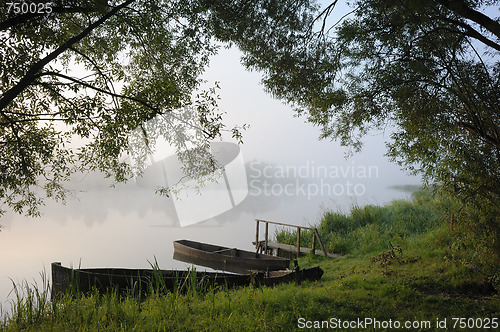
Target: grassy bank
column 401, row 265
column 370, row 228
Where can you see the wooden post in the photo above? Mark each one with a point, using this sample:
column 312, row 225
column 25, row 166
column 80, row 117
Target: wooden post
column 320, row 243
column 257, row 235
column 298, row 242
column 314, row 242
column 265, row 240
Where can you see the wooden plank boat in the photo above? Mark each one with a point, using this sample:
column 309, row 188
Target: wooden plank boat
column 139, row 281
column 227, row 259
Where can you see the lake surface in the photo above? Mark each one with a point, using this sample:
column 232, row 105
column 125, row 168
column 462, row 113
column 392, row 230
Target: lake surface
column 130, row 226
column 292, row 177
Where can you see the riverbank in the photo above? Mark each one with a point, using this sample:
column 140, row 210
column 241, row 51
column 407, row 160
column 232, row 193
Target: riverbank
column 419, row 280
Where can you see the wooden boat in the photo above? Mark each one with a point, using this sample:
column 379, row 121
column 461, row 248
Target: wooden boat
column 227, row 259
column 139, row 281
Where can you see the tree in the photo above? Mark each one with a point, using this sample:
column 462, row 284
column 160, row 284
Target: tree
column 91, row 72
column 430, row 69
column 138, row 63
column 427, row 69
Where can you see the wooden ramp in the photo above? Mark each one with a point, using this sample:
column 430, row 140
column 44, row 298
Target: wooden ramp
column 293, row 249
column 267, row 246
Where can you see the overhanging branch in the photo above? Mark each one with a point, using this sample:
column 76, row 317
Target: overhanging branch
column 90, row 86
column 30, row 75
column 487, row 138
column 461, row 8
column 471, row 32
column 156, row 110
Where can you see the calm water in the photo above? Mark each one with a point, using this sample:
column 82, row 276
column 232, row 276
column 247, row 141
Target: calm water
column 128, row 226
column 292, row 177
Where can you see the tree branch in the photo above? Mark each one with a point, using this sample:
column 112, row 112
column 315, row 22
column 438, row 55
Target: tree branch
column 480, row 133
column 36, row 120
column 471, row 32
column 142, row 102
column 87, row 85
column 106, row 79
column 325, row 13
column 461, row 8
column 30, row 75
column 48, row 87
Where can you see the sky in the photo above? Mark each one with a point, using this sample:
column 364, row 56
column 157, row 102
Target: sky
column 275, row 134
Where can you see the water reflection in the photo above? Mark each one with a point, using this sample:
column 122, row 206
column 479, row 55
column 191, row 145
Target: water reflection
column 127, row 226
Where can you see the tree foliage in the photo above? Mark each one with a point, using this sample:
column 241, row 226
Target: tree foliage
column 100, row 73
column 428, row 69
column 77, row 81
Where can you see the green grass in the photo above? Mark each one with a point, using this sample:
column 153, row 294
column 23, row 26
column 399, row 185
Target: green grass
column 401, row 265
column 370, row 228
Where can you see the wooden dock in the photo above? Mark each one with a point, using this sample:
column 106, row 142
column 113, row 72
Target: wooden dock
column 293, row 249
column 267, row 246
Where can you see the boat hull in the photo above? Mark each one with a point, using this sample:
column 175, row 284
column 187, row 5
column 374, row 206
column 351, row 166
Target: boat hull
column 227, row 259
column 104, row 280
column 140, row 281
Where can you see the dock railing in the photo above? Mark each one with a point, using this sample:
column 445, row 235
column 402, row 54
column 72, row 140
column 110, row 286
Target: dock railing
column 298, row 228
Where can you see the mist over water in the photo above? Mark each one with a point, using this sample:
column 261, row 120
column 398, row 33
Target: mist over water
column 130, row 226
column 291, row 176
